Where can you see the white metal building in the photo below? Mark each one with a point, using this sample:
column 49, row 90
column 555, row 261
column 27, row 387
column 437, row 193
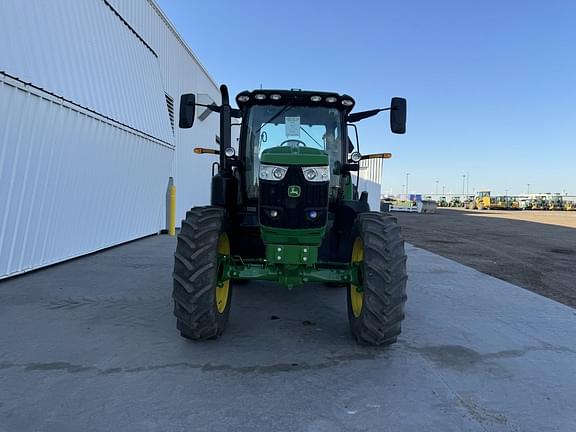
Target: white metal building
column 89, row 96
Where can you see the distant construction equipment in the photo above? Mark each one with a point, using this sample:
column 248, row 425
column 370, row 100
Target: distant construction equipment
column 484, row 200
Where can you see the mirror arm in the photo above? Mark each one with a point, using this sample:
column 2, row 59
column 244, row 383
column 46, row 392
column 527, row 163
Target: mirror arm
column 234, row 112
column 354, row 117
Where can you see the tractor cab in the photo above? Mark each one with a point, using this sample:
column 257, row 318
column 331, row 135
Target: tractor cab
column 293, row 128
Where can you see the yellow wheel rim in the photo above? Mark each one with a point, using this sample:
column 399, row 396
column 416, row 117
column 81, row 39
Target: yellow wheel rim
column 222, row 291
column 357, row 297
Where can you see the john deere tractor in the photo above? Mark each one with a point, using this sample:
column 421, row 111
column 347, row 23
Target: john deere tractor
column 284, row 208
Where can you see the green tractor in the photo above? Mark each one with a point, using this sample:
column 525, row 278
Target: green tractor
column 284, row 208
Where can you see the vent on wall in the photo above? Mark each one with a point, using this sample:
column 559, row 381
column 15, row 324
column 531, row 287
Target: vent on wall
column 170, row 106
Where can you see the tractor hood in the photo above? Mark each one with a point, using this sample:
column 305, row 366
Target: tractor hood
column 302, row 156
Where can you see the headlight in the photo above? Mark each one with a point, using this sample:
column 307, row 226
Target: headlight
column 316, row 174
column 272, row 172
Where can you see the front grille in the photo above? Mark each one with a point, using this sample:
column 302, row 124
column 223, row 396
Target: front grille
column 293, row 212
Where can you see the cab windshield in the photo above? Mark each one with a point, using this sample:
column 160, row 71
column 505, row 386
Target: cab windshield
column 290, row 125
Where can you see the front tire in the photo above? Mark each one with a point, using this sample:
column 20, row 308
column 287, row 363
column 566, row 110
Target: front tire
column 201, row 306
column 376, row 308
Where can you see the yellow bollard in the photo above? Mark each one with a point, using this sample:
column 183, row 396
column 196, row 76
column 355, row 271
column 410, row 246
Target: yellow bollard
column 171, row 208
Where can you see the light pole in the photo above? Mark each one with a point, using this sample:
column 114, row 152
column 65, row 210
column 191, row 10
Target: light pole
column 407, row 174
column 443, row 190
column 528, row 193
column 463, row 183
column 436, row 187
column 467, row 183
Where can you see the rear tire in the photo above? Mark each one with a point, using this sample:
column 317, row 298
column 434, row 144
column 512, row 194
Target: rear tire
column 200, row 306
column 377, row 321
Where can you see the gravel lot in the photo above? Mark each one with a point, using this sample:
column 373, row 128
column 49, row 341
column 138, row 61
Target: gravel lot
column 533, row 249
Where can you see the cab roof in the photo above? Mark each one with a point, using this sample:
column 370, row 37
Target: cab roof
column 296, row 97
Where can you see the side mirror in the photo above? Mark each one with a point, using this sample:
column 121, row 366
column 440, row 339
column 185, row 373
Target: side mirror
column 398, row 115
column 187, row 110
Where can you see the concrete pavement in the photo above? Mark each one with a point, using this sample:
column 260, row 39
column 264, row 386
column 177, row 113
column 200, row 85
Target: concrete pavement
column 91, row 345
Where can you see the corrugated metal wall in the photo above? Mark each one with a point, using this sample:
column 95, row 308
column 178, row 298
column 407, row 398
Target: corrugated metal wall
column 82, row 51
column 72, row 181
column 86, row 149
column 182, row 73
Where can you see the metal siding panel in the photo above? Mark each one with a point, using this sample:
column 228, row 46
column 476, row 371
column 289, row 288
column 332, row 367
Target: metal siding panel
column 147, row 18
column 63, row 194
column 82, row 51
column 11, row 161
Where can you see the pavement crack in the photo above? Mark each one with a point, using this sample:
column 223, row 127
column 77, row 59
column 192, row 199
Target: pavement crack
column 481, row 414
column 295, row 366
column 78, row 302
column 53, row 366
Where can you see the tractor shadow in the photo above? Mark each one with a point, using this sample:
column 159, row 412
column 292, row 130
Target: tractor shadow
column 302, row 311
column 275, row 329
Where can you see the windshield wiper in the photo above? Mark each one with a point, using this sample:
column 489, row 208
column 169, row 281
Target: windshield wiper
column 313, row 139
column 274, row 117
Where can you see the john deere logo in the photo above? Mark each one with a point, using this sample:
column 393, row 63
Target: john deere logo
column 293, row 191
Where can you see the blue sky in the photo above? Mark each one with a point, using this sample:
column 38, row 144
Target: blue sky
column 491, row 85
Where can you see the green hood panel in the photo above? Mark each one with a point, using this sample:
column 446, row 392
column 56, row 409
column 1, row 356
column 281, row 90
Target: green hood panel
column 302, row 156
